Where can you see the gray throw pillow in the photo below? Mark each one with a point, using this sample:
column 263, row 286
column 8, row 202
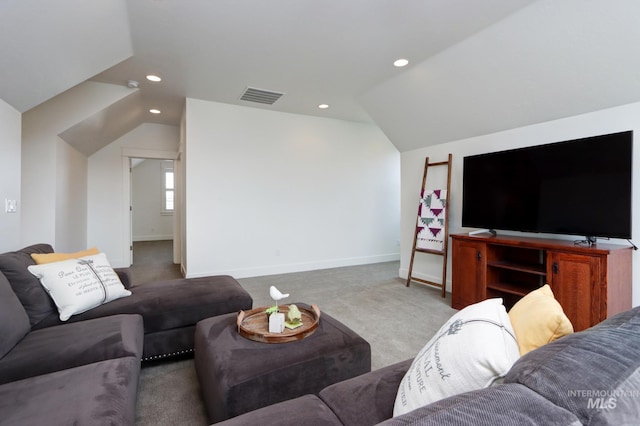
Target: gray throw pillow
column 32, row 295
column 14, row 322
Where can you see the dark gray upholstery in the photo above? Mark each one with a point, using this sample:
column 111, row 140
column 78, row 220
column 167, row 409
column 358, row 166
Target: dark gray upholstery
column 309, row 411
column 577, row 370
column 102, row 393
column 366, row 399
column 165, row 343
column 85, row 371
column 26, row 286
column 125, row 276
column 166, row 305
column 71, row 345
column 170, row 310
column 587, row 378
column 505, row 405
column 14, row 321
column 238, row 375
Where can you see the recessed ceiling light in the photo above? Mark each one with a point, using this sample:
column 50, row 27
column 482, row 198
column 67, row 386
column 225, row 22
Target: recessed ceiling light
column 400, row 63
column 154, row 111
column 153, row 78
column 323, row 106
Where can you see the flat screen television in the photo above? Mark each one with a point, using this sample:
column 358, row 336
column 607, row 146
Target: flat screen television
column 577, row 187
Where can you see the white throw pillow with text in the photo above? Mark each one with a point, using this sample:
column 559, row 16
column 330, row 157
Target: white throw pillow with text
column 474, row 348
column 77, row 285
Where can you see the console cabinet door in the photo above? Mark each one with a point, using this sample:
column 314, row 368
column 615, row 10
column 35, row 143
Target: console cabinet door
column 577, row 282
column 468, row 274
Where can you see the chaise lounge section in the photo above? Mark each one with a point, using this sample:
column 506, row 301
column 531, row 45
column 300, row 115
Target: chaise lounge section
column 85, row 370
column 170, row 309
column 81, row 373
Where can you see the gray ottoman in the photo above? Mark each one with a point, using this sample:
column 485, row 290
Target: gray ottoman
column 238, row 375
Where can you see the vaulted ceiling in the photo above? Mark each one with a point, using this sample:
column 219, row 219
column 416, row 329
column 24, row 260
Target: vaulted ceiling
column 475, row 67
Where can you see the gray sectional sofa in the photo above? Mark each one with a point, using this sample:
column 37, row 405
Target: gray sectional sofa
column 85, row 371
column 587, row 378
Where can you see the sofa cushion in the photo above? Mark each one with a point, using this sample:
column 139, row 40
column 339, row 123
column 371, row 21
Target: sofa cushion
column 505, row 405
column 594, row 373
column 170, row 310
column 102, row 393
column 472, row 350
column 307, row 410
column 366, row 399
column 32, row 295
column 70, row 345
column 77, row 285
column 14, row 321
column 538, row 319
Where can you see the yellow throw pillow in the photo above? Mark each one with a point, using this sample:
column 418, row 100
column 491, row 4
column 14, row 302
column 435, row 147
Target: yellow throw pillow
column 42, row 258
column 538, row 319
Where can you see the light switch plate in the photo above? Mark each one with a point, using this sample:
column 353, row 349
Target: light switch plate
column 10, row 206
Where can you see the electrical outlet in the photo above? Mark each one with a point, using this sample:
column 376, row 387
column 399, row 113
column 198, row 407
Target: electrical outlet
column 10, row 206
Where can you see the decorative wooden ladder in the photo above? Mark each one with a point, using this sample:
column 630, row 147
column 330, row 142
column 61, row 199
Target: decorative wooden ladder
column 443, row 251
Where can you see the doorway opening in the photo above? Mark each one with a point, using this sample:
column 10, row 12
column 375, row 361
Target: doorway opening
column 152, row 222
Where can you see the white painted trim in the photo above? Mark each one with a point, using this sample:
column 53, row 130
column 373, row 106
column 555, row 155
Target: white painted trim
column 149, row 153
column 127, row 154
column 137, row 238
column 300, row 267
column 126, row 219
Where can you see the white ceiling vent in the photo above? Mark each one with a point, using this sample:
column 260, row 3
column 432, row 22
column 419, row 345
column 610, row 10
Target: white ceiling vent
column 261, row 96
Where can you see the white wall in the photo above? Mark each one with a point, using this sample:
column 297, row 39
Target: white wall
column 270, row 192
column 10, row 139
column 601, row 122
column 149, row 224
column 108, row 225
column 44, row 156
column 71, row 198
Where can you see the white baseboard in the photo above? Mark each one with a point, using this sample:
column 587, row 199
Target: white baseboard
column 298, row 267
column 138, row 238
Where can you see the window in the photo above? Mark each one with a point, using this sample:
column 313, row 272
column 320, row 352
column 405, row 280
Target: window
column 168, row 187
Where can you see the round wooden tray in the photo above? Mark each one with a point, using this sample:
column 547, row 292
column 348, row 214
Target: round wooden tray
column 254, row 325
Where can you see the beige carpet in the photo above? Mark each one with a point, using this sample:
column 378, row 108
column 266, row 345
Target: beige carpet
column 397, row 321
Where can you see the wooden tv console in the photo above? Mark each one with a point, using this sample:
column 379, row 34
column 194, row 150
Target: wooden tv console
column 590, row 282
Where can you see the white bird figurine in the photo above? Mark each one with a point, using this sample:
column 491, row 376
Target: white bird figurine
column 277, row 295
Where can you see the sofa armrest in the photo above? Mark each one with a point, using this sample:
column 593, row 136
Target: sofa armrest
column 125, row 276
column 367, row 399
